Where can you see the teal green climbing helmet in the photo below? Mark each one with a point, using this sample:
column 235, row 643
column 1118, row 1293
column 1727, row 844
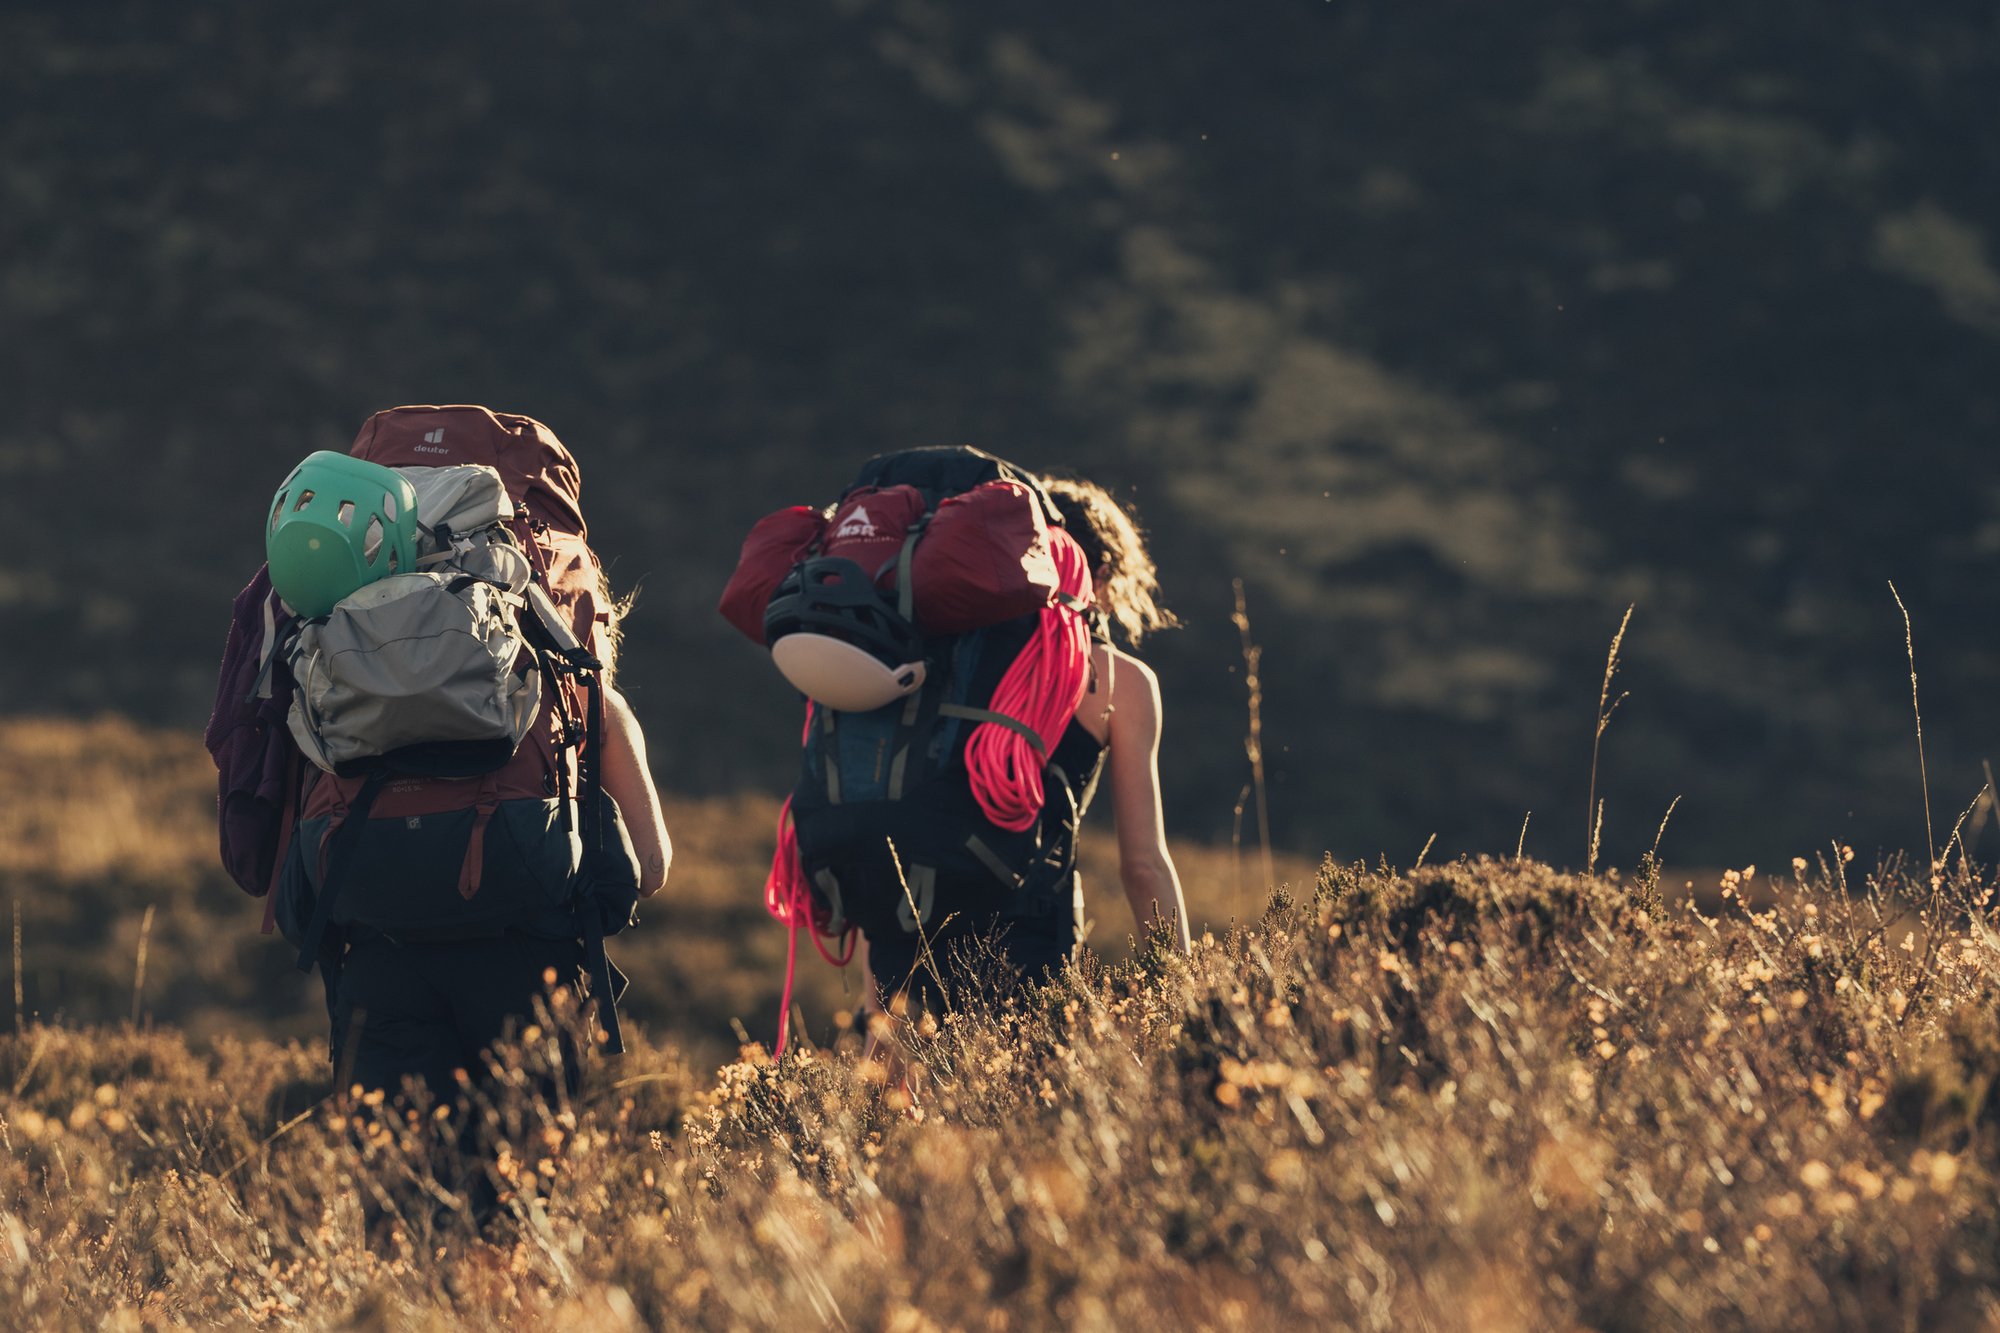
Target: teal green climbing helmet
column 338, row 524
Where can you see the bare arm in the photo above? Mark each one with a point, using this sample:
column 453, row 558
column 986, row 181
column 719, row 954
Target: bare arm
column 630, row 783
column 1144, row 865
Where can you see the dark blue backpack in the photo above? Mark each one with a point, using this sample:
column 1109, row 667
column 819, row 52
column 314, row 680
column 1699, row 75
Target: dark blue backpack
column 890, row 835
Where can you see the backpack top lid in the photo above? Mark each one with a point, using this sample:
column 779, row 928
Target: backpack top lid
column 941, row 471
column 539, row 472
column 463, row 498
column 337, row 525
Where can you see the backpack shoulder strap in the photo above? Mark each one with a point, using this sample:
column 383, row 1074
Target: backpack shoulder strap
column 594, row 957
column 562, row 653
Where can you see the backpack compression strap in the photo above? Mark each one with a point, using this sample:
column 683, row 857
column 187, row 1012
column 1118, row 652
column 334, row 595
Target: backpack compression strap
column 559, row 645
column 594, row 956
column 998, row 719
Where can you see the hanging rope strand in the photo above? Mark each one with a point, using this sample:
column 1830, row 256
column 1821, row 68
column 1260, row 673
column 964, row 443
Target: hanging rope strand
column 789, row 898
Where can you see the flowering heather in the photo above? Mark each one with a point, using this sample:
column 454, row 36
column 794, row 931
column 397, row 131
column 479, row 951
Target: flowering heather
column 1486, row 1095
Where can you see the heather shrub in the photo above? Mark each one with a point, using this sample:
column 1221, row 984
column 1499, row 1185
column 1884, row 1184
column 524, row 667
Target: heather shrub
column 1484, row 1095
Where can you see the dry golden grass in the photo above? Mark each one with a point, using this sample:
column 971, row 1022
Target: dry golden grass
column 1482, row 1096
column 1479, row 1096
column 85, row 800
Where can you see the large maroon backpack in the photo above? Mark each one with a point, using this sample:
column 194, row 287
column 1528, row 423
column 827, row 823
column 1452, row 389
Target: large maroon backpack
column 434, row 856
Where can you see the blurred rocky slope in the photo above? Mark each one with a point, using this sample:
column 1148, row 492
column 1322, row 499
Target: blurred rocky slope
column 1451, row 329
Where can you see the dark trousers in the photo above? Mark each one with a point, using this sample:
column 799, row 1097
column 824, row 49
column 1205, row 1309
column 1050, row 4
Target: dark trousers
column 981, row 966
column 430, row 1010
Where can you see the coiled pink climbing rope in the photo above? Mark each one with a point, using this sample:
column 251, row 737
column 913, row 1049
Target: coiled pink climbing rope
column 1042, row 689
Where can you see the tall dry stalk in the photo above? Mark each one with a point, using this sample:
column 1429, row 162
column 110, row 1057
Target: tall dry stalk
column 1253, row 655
column 139, row 976
column 1658, row 837
column 1923, row 773
column 1957, row 828
column 1991, row 804
column 1236, row 853
column 1648, row 894
column 20, row 1002
column 1606, row 706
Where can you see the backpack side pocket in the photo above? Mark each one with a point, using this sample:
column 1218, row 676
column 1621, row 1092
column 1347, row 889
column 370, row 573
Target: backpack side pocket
column 297, row 879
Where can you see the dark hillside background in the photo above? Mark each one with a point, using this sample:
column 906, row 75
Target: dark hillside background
column 1451, row 328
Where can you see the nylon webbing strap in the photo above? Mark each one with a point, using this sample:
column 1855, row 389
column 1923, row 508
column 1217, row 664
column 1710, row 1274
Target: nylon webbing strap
column 561, row 693
column 830, row 886
column 906, row 591
column 991, row 860
column 550, row 620
column 344, row 842
column 593, row 776
column 904, row 731
column 829, row 754
column 1037, row 893
column 1068, row 791
column 267, row 656
column 600, row 978
column 594, row 956
column 922, row 886
column 988, row 715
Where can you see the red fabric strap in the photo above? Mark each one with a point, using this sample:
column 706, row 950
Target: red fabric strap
column 475, row 845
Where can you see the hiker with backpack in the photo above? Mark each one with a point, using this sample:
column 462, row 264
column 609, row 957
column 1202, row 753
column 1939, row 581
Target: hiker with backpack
column 1120, row 715
column 426, row 767
column 948, row 623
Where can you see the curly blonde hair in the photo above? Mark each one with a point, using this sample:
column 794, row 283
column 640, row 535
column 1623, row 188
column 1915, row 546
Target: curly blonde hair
column 1112, row 542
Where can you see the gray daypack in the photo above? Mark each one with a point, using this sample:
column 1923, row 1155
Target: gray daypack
column 429, row 657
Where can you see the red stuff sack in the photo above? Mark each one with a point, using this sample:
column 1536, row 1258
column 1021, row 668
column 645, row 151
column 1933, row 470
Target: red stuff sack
column 985, row 558
column 778, row 542
column 869, row 528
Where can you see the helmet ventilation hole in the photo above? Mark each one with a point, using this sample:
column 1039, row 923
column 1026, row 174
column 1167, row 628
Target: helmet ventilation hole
column 346, row 514
column 278, row 509
column 371, row 542
column 392, row 559
column 305, row 498
column 389, row 506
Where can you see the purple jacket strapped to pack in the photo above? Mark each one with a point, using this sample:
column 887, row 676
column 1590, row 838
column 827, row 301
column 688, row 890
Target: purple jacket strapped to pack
column 255, row 758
